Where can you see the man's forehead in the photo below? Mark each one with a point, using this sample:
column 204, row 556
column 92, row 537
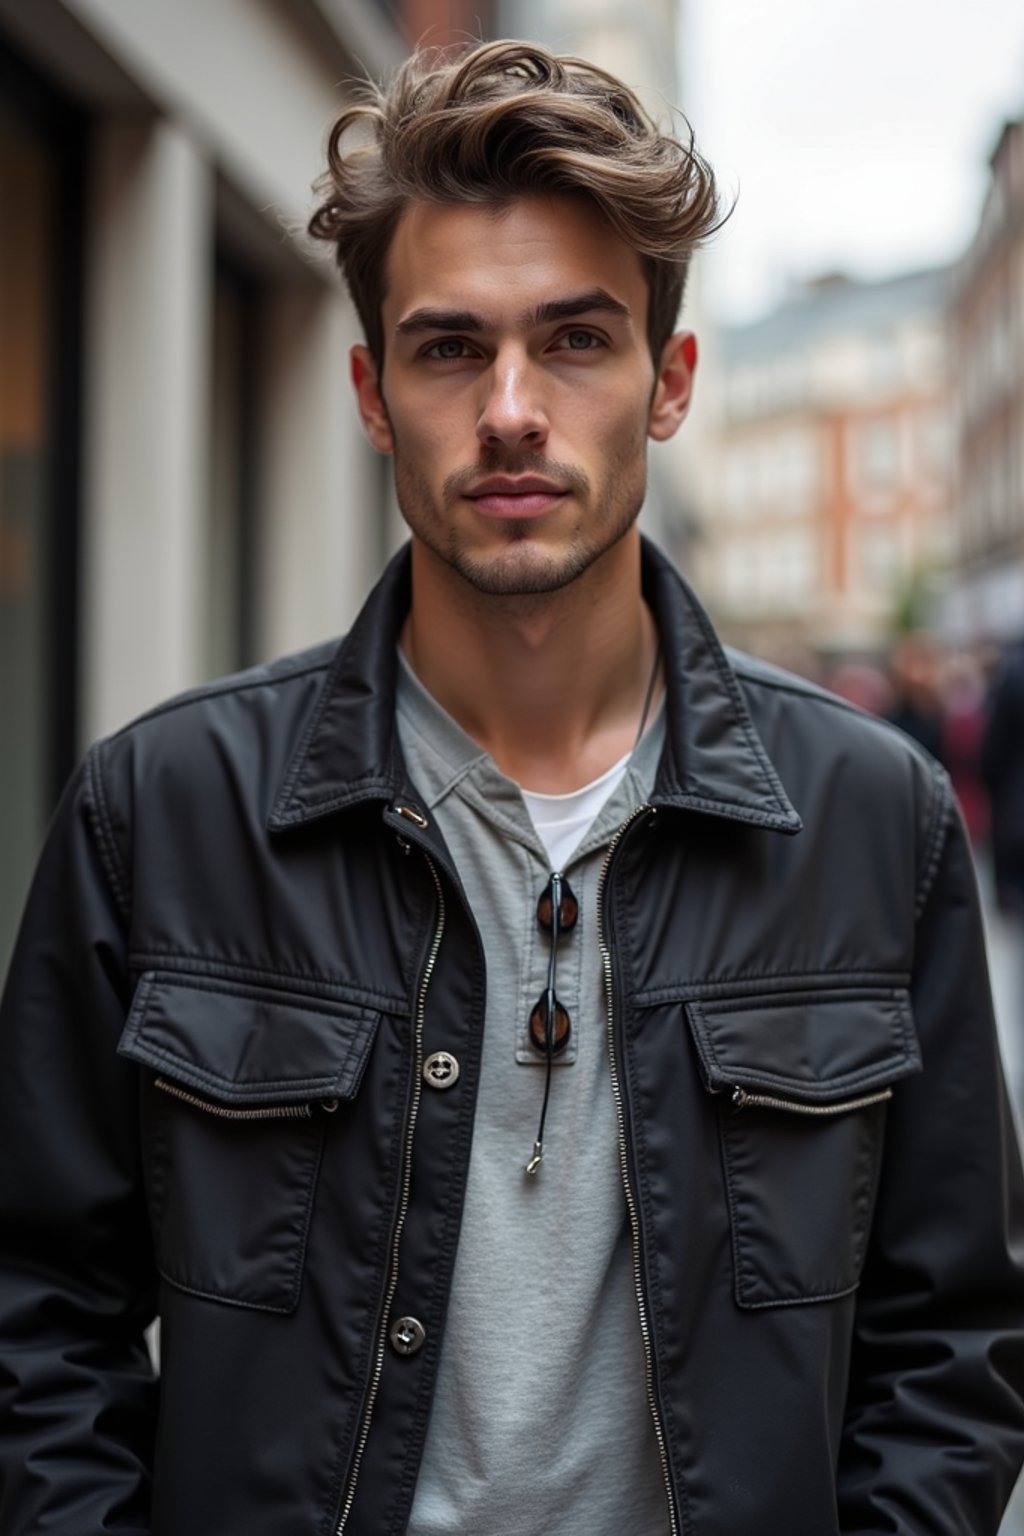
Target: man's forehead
column 513, row 262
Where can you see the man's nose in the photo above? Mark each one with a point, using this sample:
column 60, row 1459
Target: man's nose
column 513, row 411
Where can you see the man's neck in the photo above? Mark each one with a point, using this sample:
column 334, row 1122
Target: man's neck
column 553, row 686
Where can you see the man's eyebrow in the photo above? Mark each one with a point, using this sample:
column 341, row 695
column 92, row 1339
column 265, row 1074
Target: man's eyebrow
column 543, row 314
column 579, row 304
column 440, row 320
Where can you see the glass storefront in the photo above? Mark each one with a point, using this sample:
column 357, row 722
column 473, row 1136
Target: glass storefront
column 40, row 147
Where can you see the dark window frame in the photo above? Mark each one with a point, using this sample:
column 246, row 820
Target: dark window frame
column 250, row 293
column 63, row 127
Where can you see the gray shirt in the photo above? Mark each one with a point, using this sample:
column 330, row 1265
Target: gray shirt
column 540, row 1424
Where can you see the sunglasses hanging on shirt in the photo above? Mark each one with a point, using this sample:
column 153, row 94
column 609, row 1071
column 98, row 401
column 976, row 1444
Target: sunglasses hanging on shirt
column 558, row 912
column 550, row 1024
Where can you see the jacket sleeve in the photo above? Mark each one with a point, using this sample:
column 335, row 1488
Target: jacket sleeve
column 77, row 1287
column 934, row 1428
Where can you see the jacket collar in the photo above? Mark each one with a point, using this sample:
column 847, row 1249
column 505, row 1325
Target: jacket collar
column 714, row 761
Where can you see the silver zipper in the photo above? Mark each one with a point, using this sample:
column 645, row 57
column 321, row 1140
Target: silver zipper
column 631, row 1206
column 403, row 1203
column 743, row 1100
column 226, row 1112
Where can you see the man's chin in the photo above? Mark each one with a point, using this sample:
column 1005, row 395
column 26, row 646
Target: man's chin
column 520, row 571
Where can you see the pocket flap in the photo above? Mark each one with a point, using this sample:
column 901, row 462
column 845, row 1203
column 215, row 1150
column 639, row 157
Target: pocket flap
column 817, row 1048
column 247, row 1045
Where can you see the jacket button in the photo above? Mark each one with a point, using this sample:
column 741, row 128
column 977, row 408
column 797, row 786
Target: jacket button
column 441, row 1070
column 407, row 1336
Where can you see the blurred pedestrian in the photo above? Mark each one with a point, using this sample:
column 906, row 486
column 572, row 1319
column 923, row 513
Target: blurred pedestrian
column 863, row 684
column 1002, row 760
column 963, row 729
column 916, row 704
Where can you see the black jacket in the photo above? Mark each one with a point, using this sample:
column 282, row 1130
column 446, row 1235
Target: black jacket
column 244, row 938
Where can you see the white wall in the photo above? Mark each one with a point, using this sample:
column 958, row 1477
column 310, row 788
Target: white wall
column 323, row 543
column 149, row 271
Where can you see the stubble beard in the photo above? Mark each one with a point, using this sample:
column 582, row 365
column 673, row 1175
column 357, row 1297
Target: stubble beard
column 520, row 569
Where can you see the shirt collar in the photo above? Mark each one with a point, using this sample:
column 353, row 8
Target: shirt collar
column 713, row 760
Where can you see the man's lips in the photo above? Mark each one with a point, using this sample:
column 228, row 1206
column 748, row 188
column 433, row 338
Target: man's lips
column 508, row 496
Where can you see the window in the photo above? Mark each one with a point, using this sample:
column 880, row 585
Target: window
column 231, row 521
column 799, row 470
column 877, row 456
column 881, row 560
column 40, row 273
column 935, row 443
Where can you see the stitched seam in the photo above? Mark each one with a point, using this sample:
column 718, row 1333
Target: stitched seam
column 364, row 1366
column 307, row 1216
column 687, row 800
column 935, row 839
column 254, row 994
column 334, row 799
column 865, row 1183
column 302, row 751
column 800, row 1301
column 688, row 989
column 906, row 1022
column 802, row 690
column 201, row 1077
column 140, row 1003
column 856, row 1077
column 808, row 691
column 293, row 1280
column 747, row 1279
column 625, row 914
column 334, row 796
column 230, row 1301
column 446, row 1260
column 113, row 867
column 158, row 1159
column 741, row 1271
column 415, row 955
column 226, row 969
column 731, row 684
column 654, row 1292
column 818, row 1091
column 292, row 1276
column 215, row 691
column 758, row 1001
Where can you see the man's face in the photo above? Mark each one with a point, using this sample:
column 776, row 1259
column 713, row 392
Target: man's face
column 518, row 388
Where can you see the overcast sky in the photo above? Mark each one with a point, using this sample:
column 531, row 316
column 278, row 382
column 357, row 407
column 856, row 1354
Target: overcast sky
column 857, row 132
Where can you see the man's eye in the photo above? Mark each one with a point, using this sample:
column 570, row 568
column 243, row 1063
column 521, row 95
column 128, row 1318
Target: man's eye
column 580, row 341
column 448, row 349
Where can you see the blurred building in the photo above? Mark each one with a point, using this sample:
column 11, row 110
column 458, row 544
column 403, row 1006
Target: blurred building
column 184, row 487
column 831, row 457
column 987, row 595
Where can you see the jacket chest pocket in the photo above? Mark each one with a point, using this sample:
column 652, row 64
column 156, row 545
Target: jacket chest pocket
column 240, row 1088
column 803, row 1082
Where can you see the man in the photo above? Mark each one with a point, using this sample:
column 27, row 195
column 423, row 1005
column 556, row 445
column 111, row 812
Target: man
column 541, row 1073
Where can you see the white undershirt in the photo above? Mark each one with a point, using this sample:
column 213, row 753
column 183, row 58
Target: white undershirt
column 562, row 821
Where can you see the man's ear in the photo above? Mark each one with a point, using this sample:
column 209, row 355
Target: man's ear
column 372, row 410
column 674, row 387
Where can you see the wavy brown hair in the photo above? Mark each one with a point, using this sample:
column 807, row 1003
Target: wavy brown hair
column 501, row 121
